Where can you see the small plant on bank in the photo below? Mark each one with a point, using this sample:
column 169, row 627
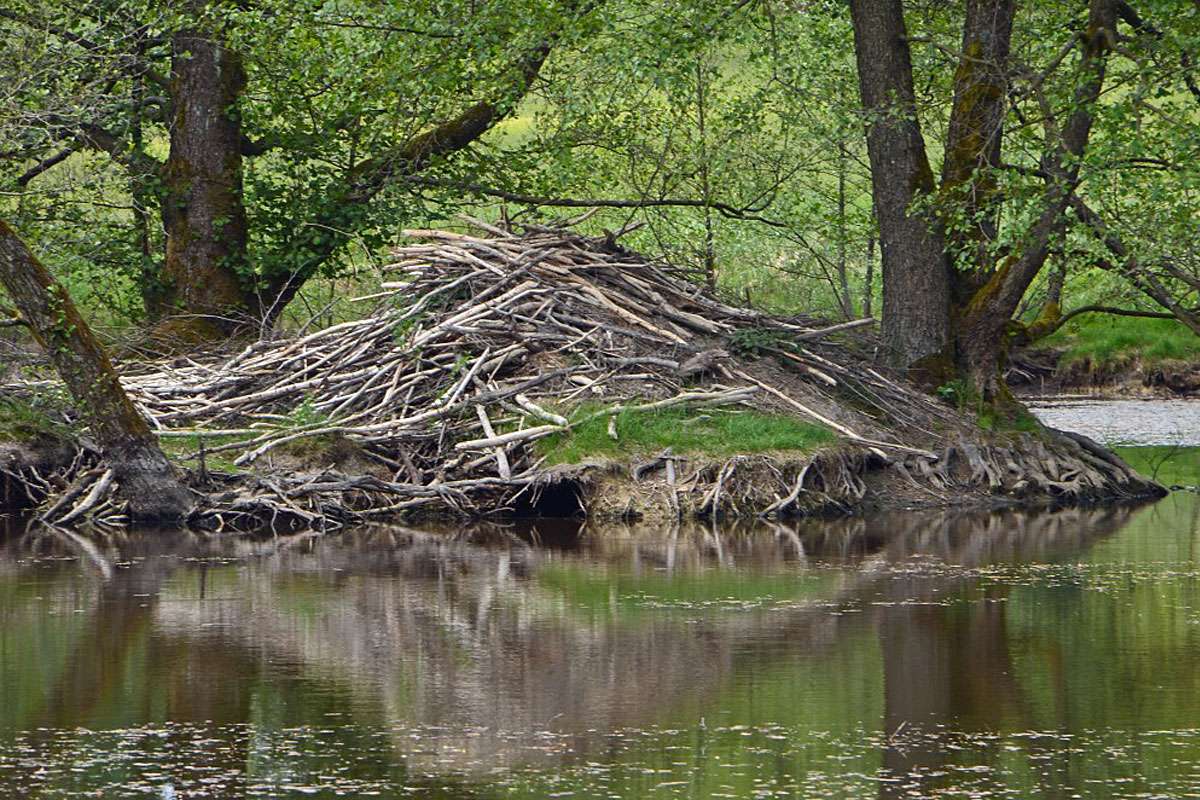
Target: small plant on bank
column 953, row 392
column 997, row 417
column 304, row 415
column 753, row 342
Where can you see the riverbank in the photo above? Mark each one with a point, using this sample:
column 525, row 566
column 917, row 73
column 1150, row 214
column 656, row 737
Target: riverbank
column 550, row 373
column 1099, row 356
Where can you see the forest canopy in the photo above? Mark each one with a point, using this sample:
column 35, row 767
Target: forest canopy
column 194, row 169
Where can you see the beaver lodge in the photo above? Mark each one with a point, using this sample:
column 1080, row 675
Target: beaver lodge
column 549, row 372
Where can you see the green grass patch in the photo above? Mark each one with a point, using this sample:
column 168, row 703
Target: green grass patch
column 21, row 421
column 703, row 431
column 1103, row 341
column 185, row 450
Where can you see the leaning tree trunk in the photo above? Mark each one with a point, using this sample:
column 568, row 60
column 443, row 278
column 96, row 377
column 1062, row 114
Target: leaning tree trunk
column 202, row 208
column 983, row 325
column 916, row 281
column 147, row 480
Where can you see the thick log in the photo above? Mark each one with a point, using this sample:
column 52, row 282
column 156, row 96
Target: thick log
column 148, row 481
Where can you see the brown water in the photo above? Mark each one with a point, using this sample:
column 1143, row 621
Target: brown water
column 910, row 655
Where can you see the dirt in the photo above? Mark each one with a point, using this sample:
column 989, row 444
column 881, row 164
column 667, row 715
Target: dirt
column 1004, row 470
column 1039, row 373
column 41, row 455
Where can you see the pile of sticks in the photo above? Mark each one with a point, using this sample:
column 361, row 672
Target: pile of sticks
column 475, row 347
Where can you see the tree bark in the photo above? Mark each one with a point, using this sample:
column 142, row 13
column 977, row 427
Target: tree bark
column 202, row 207
column 983, row 325
column 930, row 310
column 916, row 281
column 975, row 132
column 148, row 481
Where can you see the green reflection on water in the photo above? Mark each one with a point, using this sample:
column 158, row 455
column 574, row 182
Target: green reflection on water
column 1017, row 655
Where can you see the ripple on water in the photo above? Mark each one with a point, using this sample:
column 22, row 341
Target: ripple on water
column 209, row 761
column 1126, row 422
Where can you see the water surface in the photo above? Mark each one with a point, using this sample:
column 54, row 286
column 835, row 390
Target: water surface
column 1126, row 422
column 906, row 655
column 1049, row 655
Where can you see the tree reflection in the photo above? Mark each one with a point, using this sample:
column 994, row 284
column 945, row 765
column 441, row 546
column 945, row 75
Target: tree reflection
column 497, row 635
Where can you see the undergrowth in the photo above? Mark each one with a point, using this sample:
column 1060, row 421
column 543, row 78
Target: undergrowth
column 23, row 420
column 712, row 432
column 186, row 450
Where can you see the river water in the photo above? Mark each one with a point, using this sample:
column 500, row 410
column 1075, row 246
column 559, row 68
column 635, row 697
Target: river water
column 907, row 655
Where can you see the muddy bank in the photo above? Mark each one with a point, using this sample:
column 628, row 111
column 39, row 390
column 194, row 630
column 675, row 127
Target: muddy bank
column 1043, row 373
column 1022, row 470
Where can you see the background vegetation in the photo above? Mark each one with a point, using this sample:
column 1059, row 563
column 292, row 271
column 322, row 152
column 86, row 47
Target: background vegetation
column 729, row 133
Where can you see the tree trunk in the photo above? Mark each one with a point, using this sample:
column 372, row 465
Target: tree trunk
column 147, row 480
column 846, row 299
column 930, row 310
column 988, row 314
column 975, row 132
column 202, row 208
column 916, row 281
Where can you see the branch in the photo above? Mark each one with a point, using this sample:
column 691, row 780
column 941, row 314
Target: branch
column 60, row 32
column 84, row 42
column 350, row 22
column 99, row 138
column 1130, row 15
column 1130, row 267
column 256, row 147
column 313, row 245
column 11, row 318
column 1116, row 312
column 46, row 163
column 724, row 209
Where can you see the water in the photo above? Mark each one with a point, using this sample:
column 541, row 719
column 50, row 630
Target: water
column 1126, row 422
column 906, row 655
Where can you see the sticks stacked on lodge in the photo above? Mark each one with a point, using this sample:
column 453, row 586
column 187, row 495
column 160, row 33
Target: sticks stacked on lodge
column 479, row 346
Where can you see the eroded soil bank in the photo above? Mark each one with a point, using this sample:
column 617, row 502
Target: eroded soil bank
column 1051, row 373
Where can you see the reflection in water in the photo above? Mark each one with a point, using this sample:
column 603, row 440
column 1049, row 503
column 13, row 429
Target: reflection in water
column 918, row 652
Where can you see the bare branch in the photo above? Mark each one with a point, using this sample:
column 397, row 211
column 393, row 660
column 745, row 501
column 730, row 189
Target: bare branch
column 724, row 209
column 46, row 163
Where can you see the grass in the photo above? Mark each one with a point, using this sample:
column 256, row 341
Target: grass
column 711, row 432
column 22, row 421
column 1102, row 342
column 183, row 450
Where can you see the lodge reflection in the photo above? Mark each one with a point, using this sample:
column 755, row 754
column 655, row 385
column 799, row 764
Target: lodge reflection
column 406, row 628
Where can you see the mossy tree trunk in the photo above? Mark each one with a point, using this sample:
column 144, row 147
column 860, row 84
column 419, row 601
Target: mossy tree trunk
column 974, row 138
column 916, row 283
column 202, row 205
column 148, row 481
column 961, row 330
